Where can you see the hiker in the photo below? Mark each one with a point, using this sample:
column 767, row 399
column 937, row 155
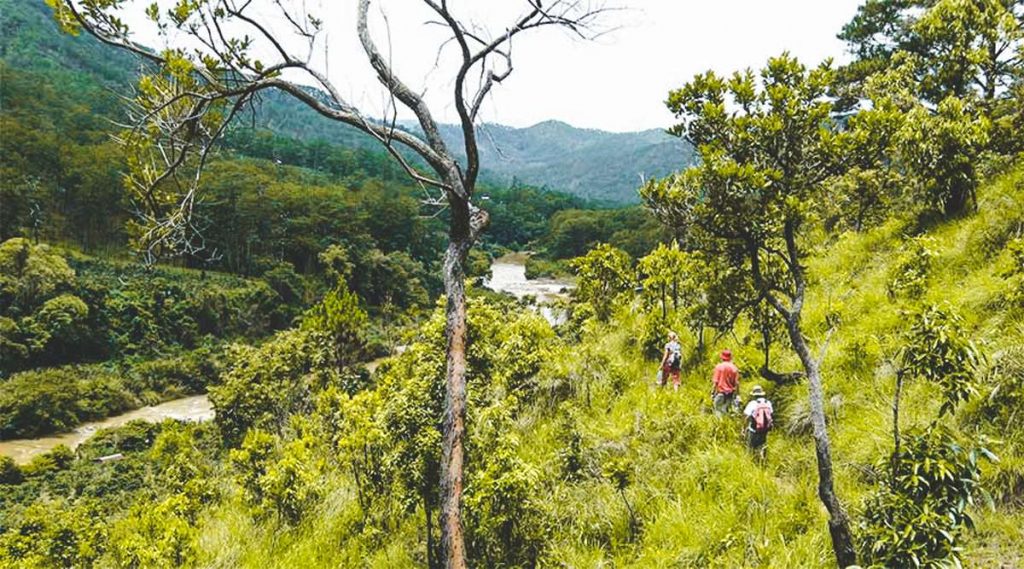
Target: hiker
column 671, row 361
column 725, row 383
column 759, row 421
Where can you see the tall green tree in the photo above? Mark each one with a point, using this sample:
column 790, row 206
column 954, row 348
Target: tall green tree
column 963, row 46
column 768, row 147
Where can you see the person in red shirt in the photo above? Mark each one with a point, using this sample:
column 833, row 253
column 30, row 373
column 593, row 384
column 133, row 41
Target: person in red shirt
column 725, row 385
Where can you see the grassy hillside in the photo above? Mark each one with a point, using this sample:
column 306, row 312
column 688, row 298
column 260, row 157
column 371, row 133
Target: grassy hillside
column 575, row 458
column 597, row 424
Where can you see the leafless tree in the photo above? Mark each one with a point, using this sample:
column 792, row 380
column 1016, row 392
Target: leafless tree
column 216, row 68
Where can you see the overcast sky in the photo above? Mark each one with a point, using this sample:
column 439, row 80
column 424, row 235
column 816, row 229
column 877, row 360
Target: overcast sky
column 618, row 82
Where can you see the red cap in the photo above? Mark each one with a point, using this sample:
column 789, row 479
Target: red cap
column 726, row 355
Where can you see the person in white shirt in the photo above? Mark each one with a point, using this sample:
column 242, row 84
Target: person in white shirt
column 759, row 421
column 671, row 361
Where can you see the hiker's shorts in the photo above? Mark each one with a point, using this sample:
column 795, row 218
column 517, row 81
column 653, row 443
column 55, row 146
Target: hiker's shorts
column 723, row 402
column 668, row 373
column 756, row 440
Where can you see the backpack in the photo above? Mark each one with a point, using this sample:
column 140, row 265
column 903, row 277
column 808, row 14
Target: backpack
column 674, row 361
column 761, row 418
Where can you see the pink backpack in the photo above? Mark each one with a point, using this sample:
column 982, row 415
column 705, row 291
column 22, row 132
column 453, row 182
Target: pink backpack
column 762, row 417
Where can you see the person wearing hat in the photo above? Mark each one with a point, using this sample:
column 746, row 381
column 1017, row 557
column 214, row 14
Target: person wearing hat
column 725, row 385
column 759, row 421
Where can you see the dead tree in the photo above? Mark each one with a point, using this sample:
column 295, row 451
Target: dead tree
column 193, row 91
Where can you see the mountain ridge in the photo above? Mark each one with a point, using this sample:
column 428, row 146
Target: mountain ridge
column 552, row 154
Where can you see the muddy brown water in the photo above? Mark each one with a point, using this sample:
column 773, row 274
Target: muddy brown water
column 195, row 408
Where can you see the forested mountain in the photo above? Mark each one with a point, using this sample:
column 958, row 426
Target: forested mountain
column 588, row 163
column 585, row 162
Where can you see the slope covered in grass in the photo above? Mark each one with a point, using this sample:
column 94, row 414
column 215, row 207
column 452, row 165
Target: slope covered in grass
column 580, row 461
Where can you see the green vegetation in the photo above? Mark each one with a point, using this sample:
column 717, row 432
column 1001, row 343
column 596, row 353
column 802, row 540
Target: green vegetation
column 865, row 264
column 343, row 473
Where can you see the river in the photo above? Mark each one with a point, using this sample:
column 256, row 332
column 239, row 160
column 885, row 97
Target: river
column 508, row 274
column 195, row 408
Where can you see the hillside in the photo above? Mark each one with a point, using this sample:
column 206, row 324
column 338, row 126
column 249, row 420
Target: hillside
column 587, row 464
column 699, row 498
column 588, row 163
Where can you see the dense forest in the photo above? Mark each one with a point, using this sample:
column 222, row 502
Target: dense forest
column 851, row 237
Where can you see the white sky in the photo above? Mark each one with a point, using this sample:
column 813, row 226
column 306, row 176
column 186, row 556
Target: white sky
column 618, row 82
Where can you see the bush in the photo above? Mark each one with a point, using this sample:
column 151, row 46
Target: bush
column 275, row 480
column 187, row 373
column 58, row 459
column 54, row 534
column 157, row 536
column 33, row 403
column 9, row 472
column 263, row 386
column 917, row 518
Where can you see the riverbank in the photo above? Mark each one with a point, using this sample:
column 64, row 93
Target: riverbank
column 195, row 408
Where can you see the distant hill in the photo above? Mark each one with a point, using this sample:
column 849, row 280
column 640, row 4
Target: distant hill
column 589, row 163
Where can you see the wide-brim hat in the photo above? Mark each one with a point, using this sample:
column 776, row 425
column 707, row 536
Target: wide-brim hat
column 758, row 391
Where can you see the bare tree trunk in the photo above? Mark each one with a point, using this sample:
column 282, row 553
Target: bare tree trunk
column 896, row 426
column 839, row 522
column 453, row 427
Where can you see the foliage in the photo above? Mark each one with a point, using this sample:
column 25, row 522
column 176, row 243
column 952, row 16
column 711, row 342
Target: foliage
column 942, row 148
column 572, row 233
column 276, row 479
column 57, row 399
column 54, row 534
column 160, row 535
column 342, row 321
column 9, row 471
column 263, row 385
column 939, row 350
column 909, row 276
column 29, row 275
column 918, row 520
column 602, row 274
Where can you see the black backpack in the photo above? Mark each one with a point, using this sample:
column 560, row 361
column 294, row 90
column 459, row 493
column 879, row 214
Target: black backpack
column 674, row 360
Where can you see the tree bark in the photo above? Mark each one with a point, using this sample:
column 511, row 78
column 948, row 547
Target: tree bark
column 896, row 427
column 839, row 522
column 453, row 427
column 467, row 223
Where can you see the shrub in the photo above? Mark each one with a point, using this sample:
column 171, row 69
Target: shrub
column 9, row 472
column 30, row 274
column 58, row 459
column 156, row 536
column 44, row 401
column 54, row 534
column 282, row 481
column 916, row 520
column 187, row 373
column 263, row 385
column 908, row 277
